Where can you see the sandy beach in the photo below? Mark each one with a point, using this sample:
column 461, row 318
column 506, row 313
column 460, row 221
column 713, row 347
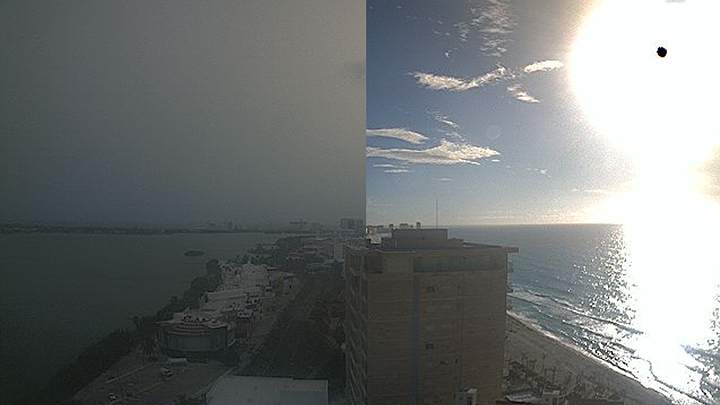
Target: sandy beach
column 536, row 357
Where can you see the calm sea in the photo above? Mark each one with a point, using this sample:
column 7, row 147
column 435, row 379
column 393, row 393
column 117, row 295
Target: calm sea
column 60, row 292
column 643, row 300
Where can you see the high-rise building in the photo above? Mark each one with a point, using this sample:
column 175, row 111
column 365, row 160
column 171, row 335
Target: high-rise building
column 355, row 225
column 425, row 320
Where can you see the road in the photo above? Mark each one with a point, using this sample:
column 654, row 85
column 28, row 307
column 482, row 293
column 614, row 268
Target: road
column 301, row 344
column 135, row 380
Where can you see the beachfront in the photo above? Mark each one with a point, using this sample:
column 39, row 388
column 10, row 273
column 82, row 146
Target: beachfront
column 533, row 357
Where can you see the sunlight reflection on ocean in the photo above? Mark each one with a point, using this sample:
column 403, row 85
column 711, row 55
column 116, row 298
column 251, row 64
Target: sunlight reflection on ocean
column 642, row 297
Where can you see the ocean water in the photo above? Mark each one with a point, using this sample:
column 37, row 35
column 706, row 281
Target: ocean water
column 61, row 292
column 644, row 301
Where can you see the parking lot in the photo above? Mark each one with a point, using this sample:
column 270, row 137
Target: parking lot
column 136, row 380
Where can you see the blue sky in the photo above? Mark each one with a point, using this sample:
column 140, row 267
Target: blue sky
column 470, row 103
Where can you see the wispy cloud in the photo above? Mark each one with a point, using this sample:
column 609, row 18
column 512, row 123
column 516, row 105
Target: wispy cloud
column 519, row 93
column 447, row 153
column 444, row 179
column 543, row 172
column 443, row 119
column 491, row 21
column 448, row 128
column 398, row 133
column 439, row 82
column 386, row 166
column 501, row 73
column 398, row 171
column 449, row 83
column 543, row 66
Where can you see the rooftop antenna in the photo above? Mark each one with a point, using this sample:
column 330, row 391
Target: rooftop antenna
column 436, row 213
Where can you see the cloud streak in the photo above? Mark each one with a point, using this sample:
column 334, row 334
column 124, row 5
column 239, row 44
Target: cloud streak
column 449, row 83
column 443, row 119
column 492, row 21
column 402, row 134
column 439, row 82
column 501, row 73
column 543, row 66
column 447, row 153
column 448, row 128
column 519, row 93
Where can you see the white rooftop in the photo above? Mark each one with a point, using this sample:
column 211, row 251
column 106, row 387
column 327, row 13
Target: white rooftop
column 232, row 390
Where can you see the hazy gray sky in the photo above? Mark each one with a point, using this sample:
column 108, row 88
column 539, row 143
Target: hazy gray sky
column 182, row 111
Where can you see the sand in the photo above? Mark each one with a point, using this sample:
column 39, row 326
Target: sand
column 534, row 357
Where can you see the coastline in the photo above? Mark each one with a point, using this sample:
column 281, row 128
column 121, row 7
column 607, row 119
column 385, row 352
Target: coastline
column 39, row 347
column 140, row 380
column 122, row 343
column 531, row 351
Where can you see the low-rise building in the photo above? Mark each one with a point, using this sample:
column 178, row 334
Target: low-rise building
column 195, row 333
column 232, row 390
column 224, row 316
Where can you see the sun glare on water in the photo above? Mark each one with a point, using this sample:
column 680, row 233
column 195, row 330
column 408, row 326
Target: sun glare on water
column 664, row 115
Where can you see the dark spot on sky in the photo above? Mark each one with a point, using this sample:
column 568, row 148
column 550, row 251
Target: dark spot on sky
column 661, row 51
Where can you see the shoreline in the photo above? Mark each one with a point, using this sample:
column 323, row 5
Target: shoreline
column 141, row 380
column 102, row 353
column 573, row 370
column 99, row 356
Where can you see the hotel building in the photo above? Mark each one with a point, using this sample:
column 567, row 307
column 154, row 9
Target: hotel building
column 425, row 320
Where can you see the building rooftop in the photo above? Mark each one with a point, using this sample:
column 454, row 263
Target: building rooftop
column 195, row 321
column 429, row 239
column 231, row 389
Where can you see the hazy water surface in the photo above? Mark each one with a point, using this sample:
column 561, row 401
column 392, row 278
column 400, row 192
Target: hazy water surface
column 60, row 292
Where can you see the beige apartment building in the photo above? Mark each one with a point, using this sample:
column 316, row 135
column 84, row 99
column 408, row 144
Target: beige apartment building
column 425, row 320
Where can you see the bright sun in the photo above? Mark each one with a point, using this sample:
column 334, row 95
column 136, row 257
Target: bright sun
column 650, row 105
column 662, row 112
